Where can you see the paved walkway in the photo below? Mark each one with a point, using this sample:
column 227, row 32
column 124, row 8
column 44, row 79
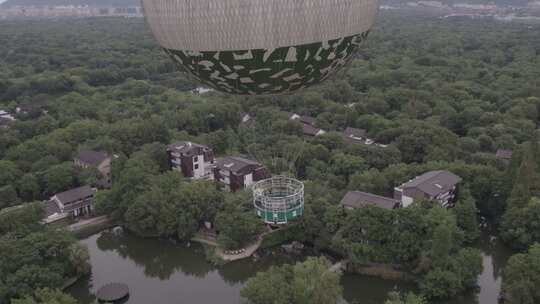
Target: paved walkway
column 247, row 251
column 88, row 223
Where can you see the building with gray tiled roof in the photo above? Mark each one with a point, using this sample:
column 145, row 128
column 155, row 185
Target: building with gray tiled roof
column 504, row 154
column 236, row 173
column 75, row 202
column 99, row 160
column 359, row 199
column 440, row 185
column 194, row 160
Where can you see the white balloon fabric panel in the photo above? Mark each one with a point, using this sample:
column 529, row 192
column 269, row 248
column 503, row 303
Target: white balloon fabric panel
column 260, row 46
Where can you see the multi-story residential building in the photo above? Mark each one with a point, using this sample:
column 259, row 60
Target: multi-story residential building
column 193, row 160
column 236, row 173
column 440, row 186
column 357, row 199
column 99, row 160
column 75, row 202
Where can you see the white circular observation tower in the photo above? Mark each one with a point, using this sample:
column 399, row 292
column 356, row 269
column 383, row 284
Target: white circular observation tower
column 279, row 199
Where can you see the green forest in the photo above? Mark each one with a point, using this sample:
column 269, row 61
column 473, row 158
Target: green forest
column 437, row 94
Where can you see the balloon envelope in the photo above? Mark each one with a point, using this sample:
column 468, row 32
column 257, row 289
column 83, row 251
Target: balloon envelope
column 260, row 46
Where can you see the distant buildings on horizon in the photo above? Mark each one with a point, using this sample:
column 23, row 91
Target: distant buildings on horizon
column 81, row 11
column 69, row 11
column 510, row 12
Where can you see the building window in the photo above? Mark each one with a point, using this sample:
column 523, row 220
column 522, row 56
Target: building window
column 195, row 158
column 196, row 166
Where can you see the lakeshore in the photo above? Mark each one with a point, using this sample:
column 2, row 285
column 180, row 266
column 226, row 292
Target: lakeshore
column 157, row 270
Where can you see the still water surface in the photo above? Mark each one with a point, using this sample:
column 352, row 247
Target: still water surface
column 160, row 272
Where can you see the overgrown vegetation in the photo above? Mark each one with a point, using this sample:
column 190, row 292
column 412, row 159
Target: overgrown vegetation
column 522, row 276
column 303, row 283
column 34, row 257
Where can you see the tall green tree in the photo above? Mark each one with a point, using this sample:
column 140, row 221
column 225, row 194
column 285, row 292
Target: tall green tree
column 8, row 196
column 237, row 225
column 467, row 215
column 522, row 277
column 28, row 187
column 410, row 298
column 303, row 283
column 46, row 296
column 520, row 226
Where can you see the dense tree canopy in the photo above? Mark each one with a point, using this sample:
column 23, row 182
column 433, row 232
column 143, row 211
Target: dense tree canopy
column 46, row 296
column 520, row 223
column 309, row 282
column 433, row 94
column 522, row 277
column 35, row 257
column 411, row 298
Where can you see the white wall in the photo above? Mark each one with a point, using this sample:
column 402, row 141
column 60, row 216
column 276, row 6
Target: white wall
column 199, row 172
column 406, row 200
column 248, row 180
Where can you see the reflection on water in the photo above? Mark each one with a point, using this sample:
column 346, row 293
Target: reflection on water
column 370, row 290
column 158, row 259
column 160, row 272
column 495, row 255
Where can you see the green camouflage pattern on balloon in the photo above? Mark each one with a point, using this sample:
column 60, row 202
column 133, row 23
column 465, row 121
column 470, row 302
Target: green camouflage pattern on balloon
column 268, row 71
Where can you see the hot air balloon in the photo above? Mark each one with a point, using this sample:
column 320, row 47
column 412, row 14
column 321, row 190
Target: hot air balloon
column 255, row 47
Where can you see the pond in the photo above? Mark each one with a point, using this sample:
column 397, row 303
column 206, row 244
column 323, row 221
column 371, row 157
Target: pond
column 161, row 272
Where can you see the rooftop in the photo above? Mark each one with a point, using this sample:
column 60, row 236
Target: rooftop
column 308, row 120
column 354, row 135
column 93, row 158
column 187, row 147
column 51, row 209
column 504, row 154
column 302, row 118
column 75, row 194
column 310, row 130
column 354, row 132
column 358, row 199
column 434, row 182
column 235, row 163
